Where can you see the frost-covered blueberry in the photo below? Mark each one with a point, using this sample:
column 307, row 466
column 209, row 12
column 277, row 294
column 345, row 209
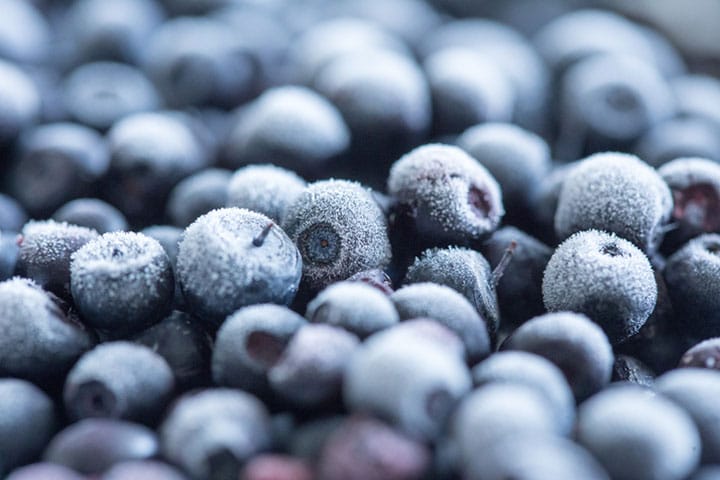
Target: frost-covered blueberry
column 28, row 422
column 145, row 469
column 376, row 278
column 606, row 278
column 121, row 282
column 571, row 341
column 26, row 35
column 92, row 213
column 20, row 100
column 354, row 306
column 630, row 369
column 210, row 434
column 463, row 270
column 339, row 229
column 12, row 214
column 426, row 329
column 267, row 189
column 198, row 194
column 230, row 258
column 637, row 435
column 451, row 197
column 534, row 371
column 696, row 94
column 118, row 380
column 679, row 137
column 249, row 343
column 40, row 341
column 617, row 193
column 692, row 275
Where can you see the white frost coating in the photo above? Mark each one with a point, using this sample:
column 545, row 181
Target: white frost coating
column 618, row 193
column 436, row 179
column 399, row 380
column 356, row 218
column 221, row 270
column 267, row 189
column 354, row 306
column 50, row 243
column 606, row 278
column 450, row 308
column 685, row 172
column 654, row 436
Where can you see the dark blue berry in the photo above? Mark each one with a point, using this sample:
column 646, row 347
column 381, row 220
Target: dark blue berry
column 20, row 101
column 9, row 252
column 677, row 138
column 12, row 214
column 92, row 213
column 198, row 194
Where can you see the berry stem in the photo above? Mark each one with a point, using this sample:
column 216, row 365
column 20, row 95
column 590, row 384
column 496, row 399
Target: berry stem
column 499, row 270
column 260, row 239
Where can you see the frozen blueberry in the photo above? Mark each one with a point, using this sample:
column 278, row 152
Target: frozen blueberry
column 40, row 341
column 617, row 193
column 467, row 88
column 28, row 422
column 534, row 371
column 571, row 341
column 168, row 236
column 267, row 131
column 57, row 162
column 363, row 447
column 451, row 198
column 696, row 94
column 45, row 470
column 198, row 194
column 276, row 467
column 249, row 343
column 606, row 278
column 210, row 434
column 118, row 380
column 461, row 269
column 20, row 101
column 121, row 282
column 100, row 93
column 150, row 153
column 414, row 383
column 448, row 307
column 94, row 445
column 92, row 213
column 515, row 157
column 339, row 229
column 677, row 138
column 26, row 35
column 376, row 278
column 9, row 252
column 308, row 376
column 230, row 258
column 705, row 354
column 267, row 189
column 692, row 275
column 607, row 101
column 630, row 369
column 201, row 61
column 426, row 329
column 637, row 435
column 45, row 250
column 545, row 201
column 12, row 214
column 145, row 469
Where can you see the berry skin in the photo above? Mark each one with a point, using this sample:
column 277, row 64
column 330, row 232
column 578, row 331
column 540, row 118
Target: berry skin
column 121, row 282
column 12, row 214
column 617, row 193
column 198, row 194
column 20, row 101
column 677, row 138
column 696, row 95
column 44, row 470
column 606, row 278
column 9, row 253
column 376, row 278
column 27, row 424
column 26, row 33
column 92, row 213
column 355, row 306
column 276, row 467
column 571, row 341
column 118, row 380
column 705, row 354
column 339, row 230
column 230, row 258
column 451, row 197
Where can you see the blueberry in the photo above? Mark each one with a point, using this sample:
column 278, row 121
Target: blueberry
column 339, row 230
column 145, row 469
column 467, row 89
column 200, row 61
column 267, row 189
column 637, row 435
column 28, row 423
column 26, row 35
column 545, row 201
column 20, row 101
column 572, row 342
column 363, row 447
column 617, row 193
column 40, row 341
column 100, row 93
column 118, row 380
column 230, row 258
column 705, row 354
column 696, row 94
column 266, row 130
column 630, row 369
column 706, row 472
column 9, row 252
column 276, row 467
column 606, row 278
column 677, row 138
column 92, row 213
column 169, row 238
column 249, row 343
column 309, row 438
column 461, row 269
column 451, row 197
column 198, row 194
column 533, row 371
column 12, row 214
column 426, row 329
column 121, row 282
column 376, row 278
column 414, row 383
column 448, row 307
column 94, row 445
column 355, row 306
column 45, row 470
column 691, row 274
column 210, row 434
